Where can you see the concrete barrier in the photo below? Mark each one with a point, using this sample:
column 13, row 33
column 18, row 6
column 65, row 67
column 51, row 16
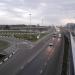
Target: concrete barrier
column 70, row 64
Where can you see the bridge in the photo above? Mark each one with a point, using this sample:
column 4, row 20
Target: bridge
column 71, row 54
column 42, row 59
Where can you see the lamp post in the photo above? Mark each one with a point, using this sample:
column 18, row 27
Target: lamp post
column 45, row 20
column 42, row 21
column 30, row 18
column 30, row 25
column 25, row 17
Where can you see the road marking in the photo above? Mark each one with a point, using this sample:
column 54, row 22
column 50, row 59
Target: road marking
column 48, row 58
column 45, row 63
column 22, row 67
column 5, row 59
column 41, row 71
column 58, row 39
column 10, row 55
column 13, row 52
column 37, row 53
column 1, row 62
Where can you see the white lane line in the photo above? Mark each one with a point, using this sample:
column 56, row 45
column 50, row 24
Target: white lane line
column 45, row 63
column 1, row 62
column 13, row 53
column 58, row 39
column 5, row 59
column 22, row 67
column 10, row 55
column 48, row 58
column 36, row 53
column 41, row 71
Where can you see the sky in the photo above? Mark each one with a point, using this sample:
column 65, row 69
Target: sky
column 43, row 12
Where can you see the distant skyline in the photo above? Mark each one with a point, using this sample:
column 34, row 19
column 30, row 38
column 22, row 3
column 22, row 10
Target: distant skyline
column 46, row 12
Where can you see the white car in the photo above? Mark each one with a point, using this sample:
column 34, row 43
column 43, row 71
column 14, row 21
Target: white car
column 54, row 35
column 50, row 44
column 59, row 35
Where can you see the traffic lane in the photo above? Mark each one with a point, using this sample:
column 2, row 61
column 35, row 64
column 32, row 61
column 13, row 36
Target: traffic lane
column 53, row 63
column 42, row 63
column 19, row 59
column 37, row 66
column 55, row 49
column 13, row 63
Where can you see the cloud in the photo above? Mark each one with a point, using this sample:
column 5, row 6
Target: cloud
column 56, row 11
column 68, row 20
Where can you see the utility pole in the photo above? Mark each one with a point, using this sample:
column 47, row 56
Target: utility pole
column 25, row 18
column 42, row 21
column 30, row 18
column 30, row 25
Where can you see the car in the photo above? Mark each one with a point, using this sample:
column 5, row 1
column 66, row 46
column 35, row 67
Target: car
column 59, row 35
column 50, row 44
column 54, row 35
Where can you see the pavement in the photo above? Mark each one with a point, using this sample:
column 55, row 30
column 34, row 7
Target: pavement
column 54, row 66
column 33, row 61
column 22, row 57
column 15, row 44
column 46, row 62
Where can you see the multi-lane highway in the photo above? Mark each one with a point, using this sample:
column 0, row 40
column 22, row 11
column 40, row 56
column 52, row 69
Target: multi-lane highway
column 46, row 62
column 34, row 61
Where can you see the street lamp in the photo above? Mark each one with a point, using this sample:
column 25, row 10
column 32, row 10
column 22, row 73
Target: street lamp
column 42, row 21
column 30, row 18
column 25, row 18
column 45, row 20
column 30, row 24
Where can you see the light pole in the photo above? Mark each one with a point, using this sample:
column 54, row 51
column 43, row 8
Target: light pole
column 45, row 20
column 42, row 21
column 30, row 25
column 25, row 17
column 30, row 18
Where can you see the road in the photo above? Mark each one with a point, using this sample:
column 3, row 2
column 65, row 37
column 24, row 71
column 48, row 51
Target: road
column 50, row 56
column 22, row 57
column 15, row 44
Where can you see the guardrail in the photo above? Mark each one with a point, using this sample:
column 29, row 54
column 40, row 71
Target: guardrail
column 72, row 68
column 69, row 63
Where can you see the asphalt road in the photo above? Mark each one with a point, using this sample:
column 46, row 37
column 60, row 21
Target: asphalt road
column 54, row 66
column 46, row 62
column 22, row 57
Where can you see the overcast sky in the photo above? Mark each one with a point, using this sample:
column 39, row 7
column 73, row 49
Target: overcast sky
column 43, row 11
